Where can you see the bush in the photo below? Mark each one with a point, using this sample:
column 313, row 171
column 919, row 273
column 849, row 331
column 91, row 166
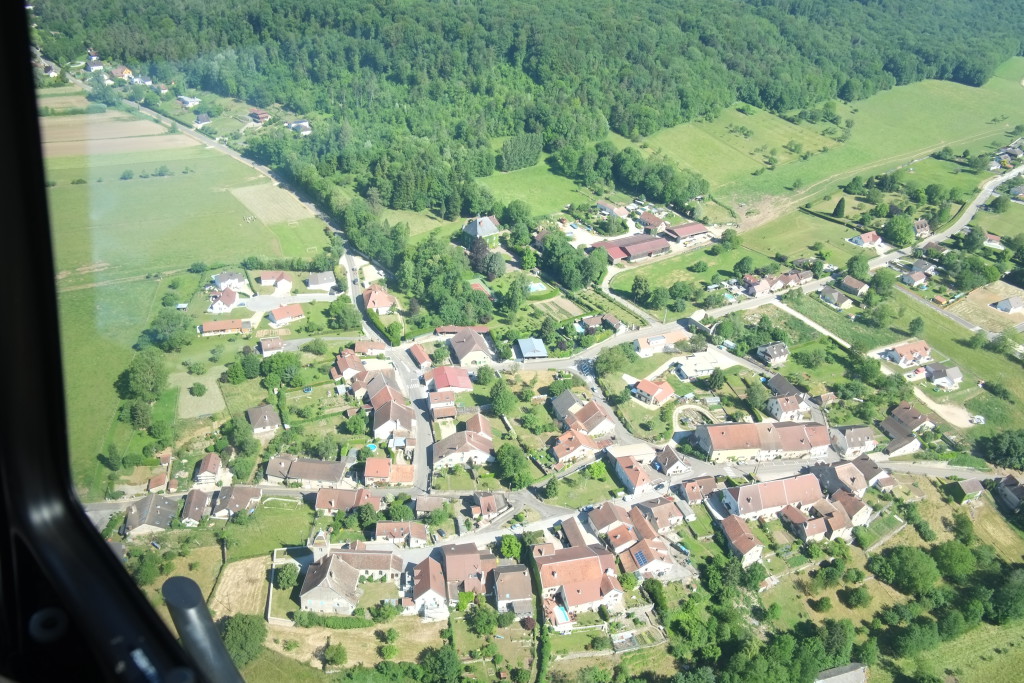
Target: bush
column 822, row 605
column 506, row 619
column 335, row 654
column 197, row 389
column 855, row 597
column 243, row 637
column 387, row 651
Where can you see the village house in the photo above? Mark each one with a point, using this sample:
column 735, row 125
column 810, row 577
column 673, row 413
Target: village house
column 197, row 506
column 270, row 346
column 852, row 441
column 833, row 297
column 786, row 408
column 461, row 449
column 484, row 227
column 914, row 279
column 393, row 418
column 376, row 470
column 595, row 323
column 466, row 570
column 233, row 500
column 873, row 474
column 841, row 476
column 448, row 378
column 309, row 473
column 633, row 475
column 218, row 327
column 633, row 247
column 150, row 515
column 651, row 223
column 530, row 349
column 259, row 116
column 591, row 419
column 646, row 347
column 487, row 506
column 662, row 513
column 697, row 490
column 773, row 354
column 376, row 299
column 1011, row 491
column 852, row 285
column 369, row 348
column 402, row 534
column 648, row 558
column 572, row 446
column 321, row 282
column 419, row 356
column 669, row 462
column 689, row 235
column 208, row 470
column 202, row 120
column 947, row 377
column 330, row 586
column 762, row 441
column 264, row 419
column 574, row 580
column 922, row 229
column 922, row 266
column 513, row 590
column 284, row 315
column 697, row 365
column 278, row 279
column 741, row 541
column 331, row 501
column 606, row 208
column 910, row 354
column 428, row 590
column 1013, row 304
column 301, row 127
column 620, row 537
column 993, row 241
column 424, row 505
column 157, row 483
column 764, row 499
column 346, row 366
column 223, row 301
column 604, row 517
column 641, row 452
column 655, row 393
column 867, row 239
column 903, row 423
column 469, row 347
column 968, row 490
column 230, row 280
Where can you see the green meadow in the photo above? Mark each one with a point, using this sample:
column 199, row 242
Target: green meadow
column 890, row 129
column 544, row 191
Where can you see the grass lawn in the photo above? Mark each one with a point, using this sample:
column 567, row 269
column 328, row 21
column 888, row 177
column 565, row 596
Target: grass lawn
column 640, row 368
column 1007, row 224
column 655, row 661
column 945, row 173
column 642, row 422
column 575, row 491
column 98, row 327
column 241, row 397
column 702, row 525
column 577, row 641
column 879, row 528
column 273, row 667
column 544, row 191
column 994, row 529
column 794, row 233
column 838, row 323
column 818, row 379
column 285, row 602
column 271, row 527
column 945, row 113
column 458, row 481
column 667, row 271
column 375, row 591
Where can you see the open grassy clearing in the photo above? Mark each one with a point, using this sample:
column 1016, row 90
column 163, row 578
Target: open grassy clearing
column 653, row 660
column 1008, row 224
column 98, row 327
column 794, row 233
column 576, row 491
column 945, row 173
column 272, row 666
column 664, row 272
column 720, row 151
column 544, row 191
column 272, row 526
column 945, row 113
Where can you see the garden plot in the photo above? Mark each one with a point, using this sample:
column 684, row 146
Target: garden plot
column 559, row 308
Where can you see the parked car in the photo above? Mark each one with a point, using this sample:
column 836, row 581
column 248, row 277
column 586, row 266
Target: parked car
column 440, row 532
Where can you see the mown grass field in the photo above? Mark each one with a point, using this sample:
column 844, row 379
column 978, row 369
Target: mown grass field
column 665, row 272
column 544, row 191
column 1010, row 223
column 123, row 228
column 794, row 233
column 944, row 113
column 724, row 156
column 98, row 327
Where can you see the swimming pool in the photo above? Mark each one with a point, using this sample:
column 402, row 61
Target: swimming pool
column 562, row 613
column 371, row 447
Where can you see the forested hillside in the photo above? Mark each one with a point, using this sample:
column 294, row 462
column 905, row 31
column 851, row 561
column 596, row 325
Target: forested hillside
column 411, row 92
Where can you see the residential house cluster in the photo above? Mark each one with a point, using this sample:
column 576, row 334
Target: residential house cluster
column 902, row 426
column 590, row 418
column 769, row 284
column 471, row 446
column 762, row 441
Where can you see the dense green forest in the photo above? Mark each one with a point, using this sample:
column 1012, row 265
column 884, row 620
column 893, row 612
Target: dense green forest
column 407, row 95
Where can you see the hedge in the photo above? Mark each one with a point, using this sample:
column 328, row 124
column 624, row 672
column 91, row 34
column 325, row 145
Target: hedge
column 308, row 619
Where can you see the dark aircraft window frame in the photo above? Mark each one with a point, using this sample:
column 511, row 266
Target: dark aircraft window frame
column 68, row 610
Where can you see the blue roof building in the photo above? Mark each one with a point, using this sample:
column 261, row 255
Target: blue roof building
column 531, row 348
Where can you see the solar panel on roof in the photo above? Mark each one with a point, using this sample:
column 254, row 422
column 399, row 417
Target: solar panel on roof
column 641, row 559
